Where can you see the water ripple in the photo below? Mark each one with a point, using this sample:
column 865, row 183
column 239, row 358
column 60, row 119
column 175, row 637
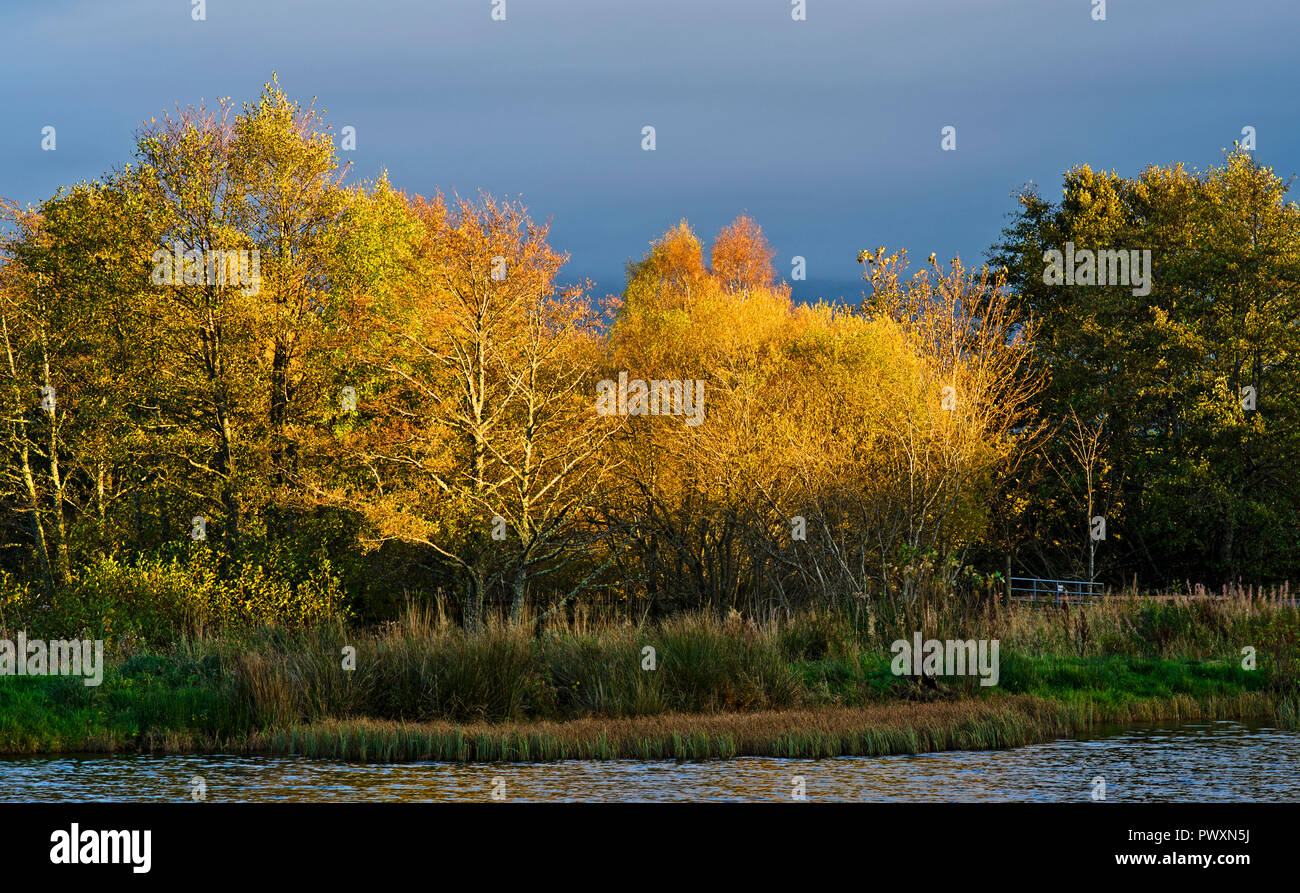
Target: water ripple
column 1194, row 762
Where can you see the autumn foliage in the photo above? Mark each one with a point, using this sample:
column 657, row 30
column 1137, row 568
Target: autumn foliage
column 406, row 404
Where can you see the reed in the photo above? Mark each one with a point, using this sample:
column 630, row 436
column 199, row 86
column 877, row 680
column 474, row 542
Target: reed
column 1008, row 721
column 1127, row 658
column 421, row 669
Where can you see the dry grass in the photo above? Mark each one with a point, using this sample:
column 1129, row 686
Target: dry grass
column 1009, row 721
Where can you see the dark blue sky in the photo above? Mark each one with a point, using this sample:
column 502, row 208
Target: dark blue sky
column 827, row 131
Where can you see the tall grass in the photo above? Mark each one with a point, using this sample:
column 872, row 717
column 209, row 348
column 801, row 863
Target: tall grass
column 424, row 676
column 423, row 668
column 1009, row 721
column 420, row 670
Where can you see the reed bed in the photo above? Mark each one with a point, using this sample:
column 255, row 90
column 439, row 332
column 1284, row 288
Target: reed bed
column 424, row 669
column 818, row 683
column 1010, row 721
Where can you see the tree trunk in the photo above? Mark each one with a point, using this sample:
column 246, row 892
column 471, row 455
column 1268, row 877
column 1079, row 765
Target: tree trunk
column 39, row 544
column 519, row 587
column 226, row 466
column 100, row 472
column 474, row 600
column 60, row 561
column 1008, row 580
column 284, row 453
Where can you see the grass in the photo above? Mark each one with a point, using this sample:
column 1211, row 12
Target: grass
column 809, row 685
column 995, row 722
column 1008, row 721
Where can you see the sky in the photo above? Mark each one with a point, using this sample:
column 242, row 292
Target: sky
column 827, row 131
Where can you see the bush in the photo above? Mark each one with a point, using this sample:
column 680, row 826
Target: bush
column 153, row 601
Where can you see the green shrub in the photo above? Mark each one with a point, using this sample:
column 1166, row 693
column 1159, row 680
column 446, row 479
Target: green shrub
column 152, row 602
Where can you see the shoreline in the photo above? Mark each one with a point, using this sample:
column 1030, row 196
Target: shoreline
column 1000, row 722
column 808, row 686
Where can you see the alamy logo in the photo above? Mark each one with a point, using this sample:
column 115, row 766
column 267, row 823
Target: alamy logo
column 218, row 267
column 952, row 657
column 56, row 658
column 77, row 847
column 656, row 397
column 1103, row 267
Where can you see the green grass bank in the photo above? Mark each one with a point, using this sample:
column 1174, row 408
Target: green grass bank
column 807, row 685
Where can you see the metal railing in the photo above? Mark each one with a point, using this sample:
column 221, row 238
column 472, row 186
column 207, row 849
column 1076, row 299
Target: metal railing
column 1054, row 592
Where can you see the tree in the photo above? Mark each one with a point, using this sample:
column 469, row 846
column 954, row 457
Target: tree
column 71, row 347
column 820, row 421
column 741, row 258
column 1203, row 485
column 479, row 419
column 1085, row 445
column 251, row 215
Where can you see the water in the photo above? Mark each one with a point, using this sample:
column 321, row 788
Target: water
column 1193, row 762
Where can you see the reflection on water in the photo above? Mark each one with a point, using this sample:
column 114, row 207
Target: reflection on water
column 1196, row 762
